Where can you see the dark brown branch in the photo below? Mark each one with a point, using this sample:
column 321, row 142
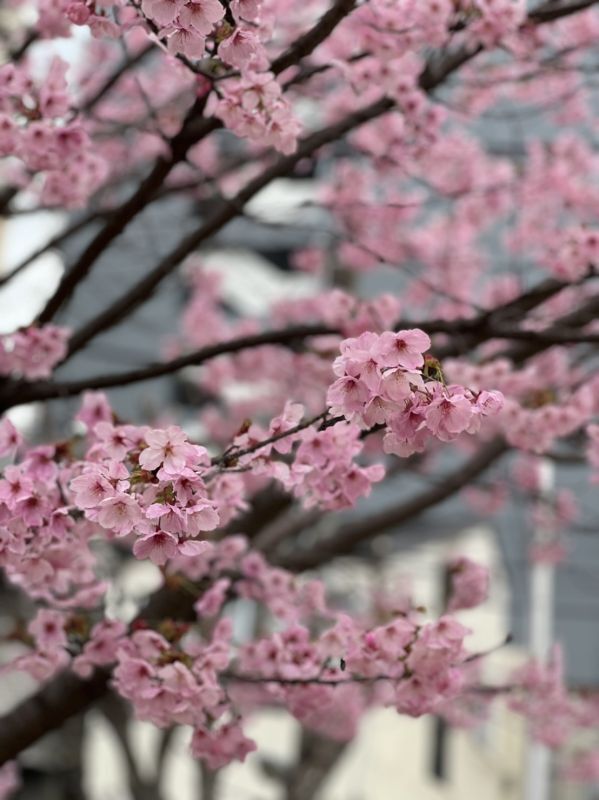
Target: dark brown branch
column 309, row 41
column 227, row 210
column 554, row 335
column 47, row 710
column 549, row 12
column 471, row 332
column 111, row 81
column 18, row 53
column 431, row 77
column 586, row 313
column 363, row 679
column 189, row 134
column 235, row 453
column 354, row 533
column 47, row 390
column 6, row 195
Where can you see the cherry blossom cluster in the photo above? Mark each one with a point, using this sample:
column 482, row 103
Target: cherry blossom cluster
column 386, row 393
column 559, row 232
column 542, row 400
column 187, row 25
column 572, row 257
column 44, row 546
column 390, row 27
column 56, row 17
column 556, row 716
column 278, row 366
column 583, row 767
column 173, row 675
column 233, row 377
column 33, row 352
column 493, row 20
column 553, row 713
column 545, row 212
column 254, row 108
column 550, row 515
column 177, row 681
column 37, row 128
column 324, row 471
column 469, row 584
column 95, row 15
column 382, row 380
column 48, row 639
column 149, row 483
column 154, row 491
column 341, row 310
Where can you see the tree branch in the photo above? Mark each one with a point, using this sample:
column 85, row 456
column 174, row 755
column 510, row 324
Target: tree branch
column 549, row 12
column 118, row 220
column 474, row 330
column 111, row 81
column 354, row 533
column 189, row 135
column 309, row 41
column 225, row 212
column 435, row 73
column 47, row 390
column 17, row 54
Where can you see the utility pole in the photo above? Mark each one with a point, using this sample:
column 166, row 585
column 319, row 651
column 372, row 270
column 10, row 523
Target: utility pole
column 541, row 599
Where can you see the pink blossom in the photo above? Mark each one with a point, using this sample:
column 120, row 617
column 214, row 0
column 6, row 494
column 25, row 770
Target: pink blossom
column 94, row 408
column 101, row 648
column 219, row 746
column 246, row 9
column 212, row 600
column 166, row 448
column 34, row 352
column 201, row 15
column 403, row 349
column 158, row 547
column 187, row 41
column 90, row 488
column 447, row 416
column 10, row 439
column 47, row 628
column 241, row 48
column 162, row 11
column 119, row 514
column 469, row 584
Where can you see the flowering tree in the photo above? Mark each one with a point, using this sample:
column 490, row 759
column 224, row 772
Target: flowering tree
column 487, row 349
